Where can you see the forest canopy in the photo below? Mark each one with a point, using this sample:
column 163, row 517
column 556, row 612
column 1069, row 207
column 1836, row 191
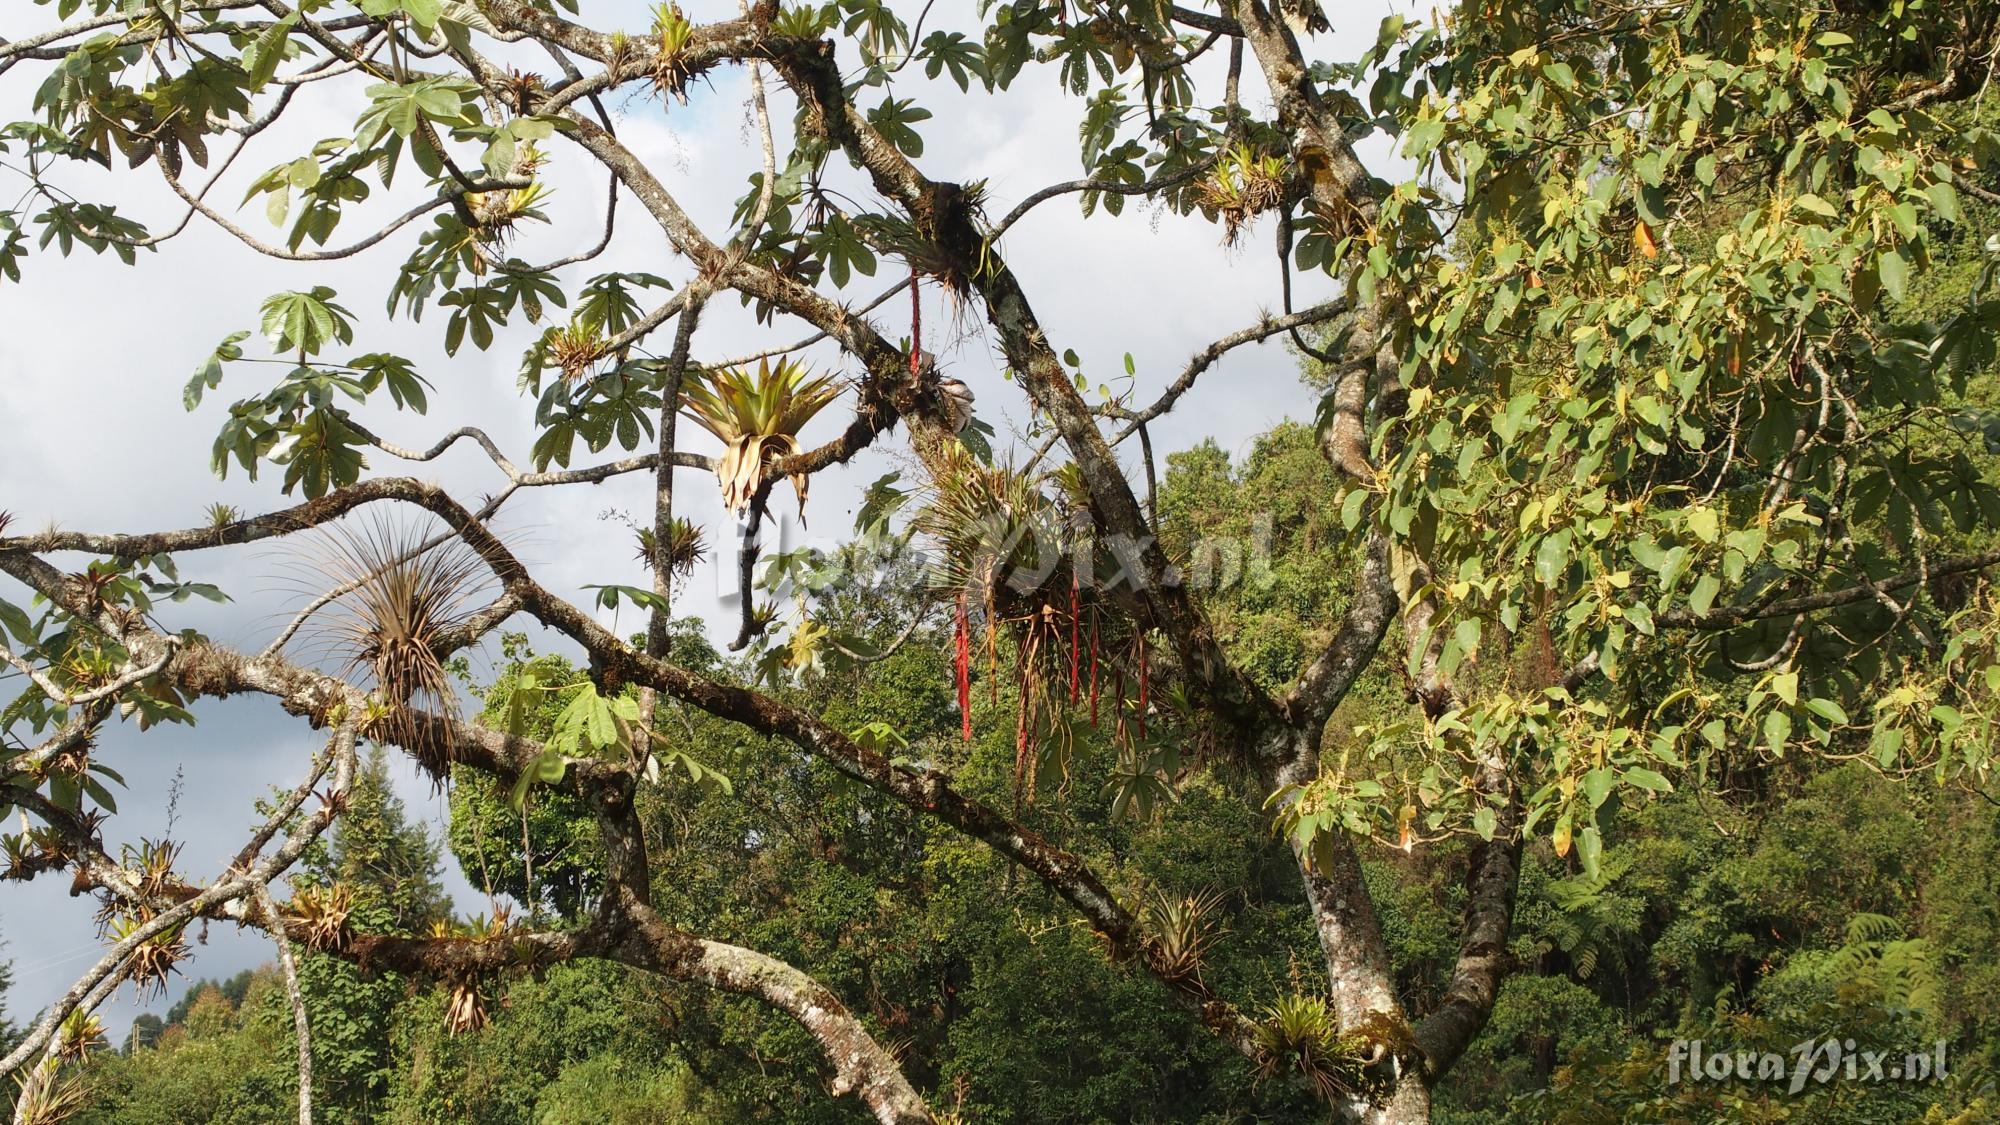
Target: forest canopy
column 1606, row 670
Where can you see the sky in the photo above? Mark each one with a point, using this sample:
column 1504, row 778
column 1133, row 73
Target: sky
column 95, row 355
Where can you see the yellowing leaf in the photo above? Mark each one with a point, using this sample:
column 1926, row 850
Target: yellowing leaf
column 1642, row 239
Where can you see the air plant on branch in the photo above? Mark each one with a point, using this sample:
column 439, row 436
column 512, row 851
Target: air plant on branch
column 574, row 349
column 1243, row 185
column 678, row 555
column 496, row 214
column 673, row 32
column 151, row 865
column 996, row 534
column 1180, row 930
column 49, row 1093
column 465, row 1008
column 757, row 417
column 400, row 599
column 322, row 914
column 154, row 959
column 918, row 244
column 24, row 855
column 1300, row 1034
column 523, row 89
column 1004, row 549
column 81, row 1033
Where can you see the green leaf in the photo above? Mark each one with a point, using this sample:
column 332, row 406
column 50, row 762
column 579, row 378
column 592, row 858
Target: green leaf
column 1893, row 267
column 1350, row 508
column 1647, row 779
column 1552, row 557
column 1597, row 785
column 306, row 322
column 262, row 56
column 1944, row 201
column 1705, row 522
column 18, row 623
column 209, row 374
column 1485, row 822
column 1705, row 589
column 1785, row 685
column 1590, row 850
column 1777, row 729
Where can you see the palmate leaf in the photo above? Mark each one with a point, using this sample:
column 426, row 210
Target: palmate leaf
column 321, row 453
column 893, row 119
column 406, row 387
column 606, row 303
column 840, row 246
column 209, row 374
column 306, row 322
column 400, row 109
column 955, row 53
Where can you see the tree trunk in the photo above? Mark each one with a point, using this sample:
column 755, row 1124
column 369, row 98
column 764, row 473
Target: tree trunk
column 1358, row 972
column 1409, row 1103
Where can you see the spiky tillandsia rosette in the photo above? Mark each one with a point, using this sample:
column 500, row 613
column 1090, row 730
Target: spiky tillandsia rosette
column 322, row 915
column 49, row 1093
column 522, row 89
column 944, row 265
column 672, row 32
column 757, row 416
column 151, row 865
column 400, row 596
column 1300, row 1034
column 996, row 535
column 81, row 1033
column 24, row 855
column 574, row 349
column 494, row 215
column 1180, row 929
column 153, row 960
column 677, row 556
column 497, row 213
column 1245, row 183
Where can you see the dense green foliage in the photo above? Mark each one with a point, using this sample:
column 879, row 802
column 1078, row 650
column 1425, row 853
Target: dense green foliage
column 1778, row 904
column 1613, row 662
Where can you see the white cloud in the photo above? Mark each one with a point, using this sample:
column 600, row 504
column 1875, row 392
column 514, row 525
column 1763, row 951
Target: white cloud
column 92, row 366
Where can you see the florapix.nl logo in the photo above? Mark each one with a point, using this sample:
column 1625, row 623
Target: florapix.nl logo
column 1810, row 1061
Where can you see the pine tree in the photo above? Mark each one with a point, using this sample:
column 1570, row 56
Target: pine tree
column 387, row 861
column 7, row 1032
column 389, row 864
